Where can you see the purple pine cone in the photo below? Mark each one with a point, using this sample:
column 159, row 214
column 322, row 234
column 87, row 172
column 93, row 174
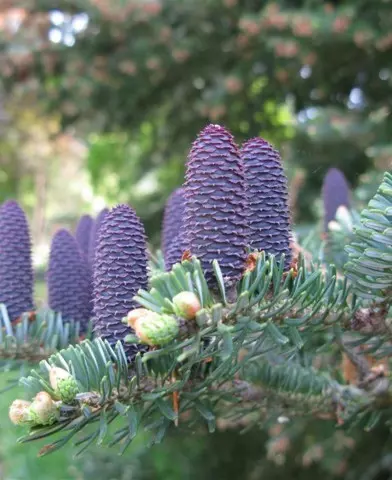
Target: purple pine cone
column 336, row 192
column 16, row 272
column 215, row 218
column 94, row 234
column 120, row 270
column 266, row 190
column 83, row 232
column 69, row 287
column 172, row 244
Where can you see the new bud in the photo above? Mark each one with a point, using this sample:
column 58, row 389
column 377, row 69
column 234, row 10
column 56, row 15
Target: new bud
column 19, row 412
column 154, row 329
column 334, row 226
column 134, row 314
column 186, row 305
column 63, row 384
column 43, row 410
column 344, row 217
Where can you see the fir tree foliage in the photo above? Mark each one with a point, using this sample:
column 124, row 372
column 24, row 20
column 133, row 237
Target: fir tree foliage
column 35, row 336
column 235, row 358
column 370, row 254
column 236, row 335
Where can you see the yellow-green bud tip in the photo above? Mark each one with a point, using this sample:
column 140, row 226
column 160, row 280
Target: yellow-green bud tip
column 156, row 330
column 186, row 305
column 64, row 384
column 134, row 314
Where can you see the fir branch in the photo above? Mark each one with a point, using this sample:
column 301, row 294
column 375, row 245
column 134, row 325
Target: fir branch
column 143, row 395
column 246, row 351
column 34, row 336
column 370, row 253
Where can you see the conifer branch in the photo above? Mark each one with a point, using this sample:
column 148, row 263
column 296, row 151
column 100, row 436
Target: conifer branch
column 35, row 336
column 226, row 333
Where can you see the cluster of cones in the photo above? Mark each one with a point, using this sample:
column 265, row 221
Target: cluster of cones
column 233, row 201
column 69, row 275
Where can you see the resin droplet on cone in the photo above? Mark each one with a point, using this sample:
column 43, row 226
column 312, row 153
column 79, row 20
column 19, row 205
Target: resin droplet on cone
column 83, row 233
column 215, row 218
column 16, row 272
column 267, row 199
column 68, row 278
column 120, row 271
column 336, row 193
column 172, row 231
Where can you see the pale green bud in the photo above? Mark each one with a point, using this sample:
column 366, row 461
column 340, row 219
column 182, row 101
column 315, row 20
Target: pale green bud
column 186, row 305
column 334, row 226
column 134, row 314
column 155, row 330
column 343, row 215
column 63, row 384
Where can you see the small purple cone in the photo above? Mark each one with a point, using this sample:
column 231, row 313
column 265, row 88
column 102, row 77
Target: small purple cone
column 83, row 232
column 120, row 270
column 266, row 191
column 336, row 192
column 16, row 272
column 172, row 244
column 69, row 288
column 94, row 235
column 215, row 218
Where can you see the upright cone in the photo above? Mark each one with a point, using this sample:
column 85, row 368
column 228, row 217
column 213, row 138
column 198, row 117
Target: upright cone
column 83, row 233
column 172, row 231
column 94, row 235
column 68, row 279
column 336, row 192
column 120, row 271
column 266, row 190
column 215, row 218
column 16, row 272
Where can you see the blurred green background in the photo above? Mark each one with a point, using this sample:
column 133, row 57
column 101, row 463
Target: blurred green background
column 100, row 101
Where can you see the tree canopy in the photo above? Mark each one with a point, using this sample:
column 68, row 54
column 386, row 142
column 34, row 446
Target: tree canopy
column 151, row 73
